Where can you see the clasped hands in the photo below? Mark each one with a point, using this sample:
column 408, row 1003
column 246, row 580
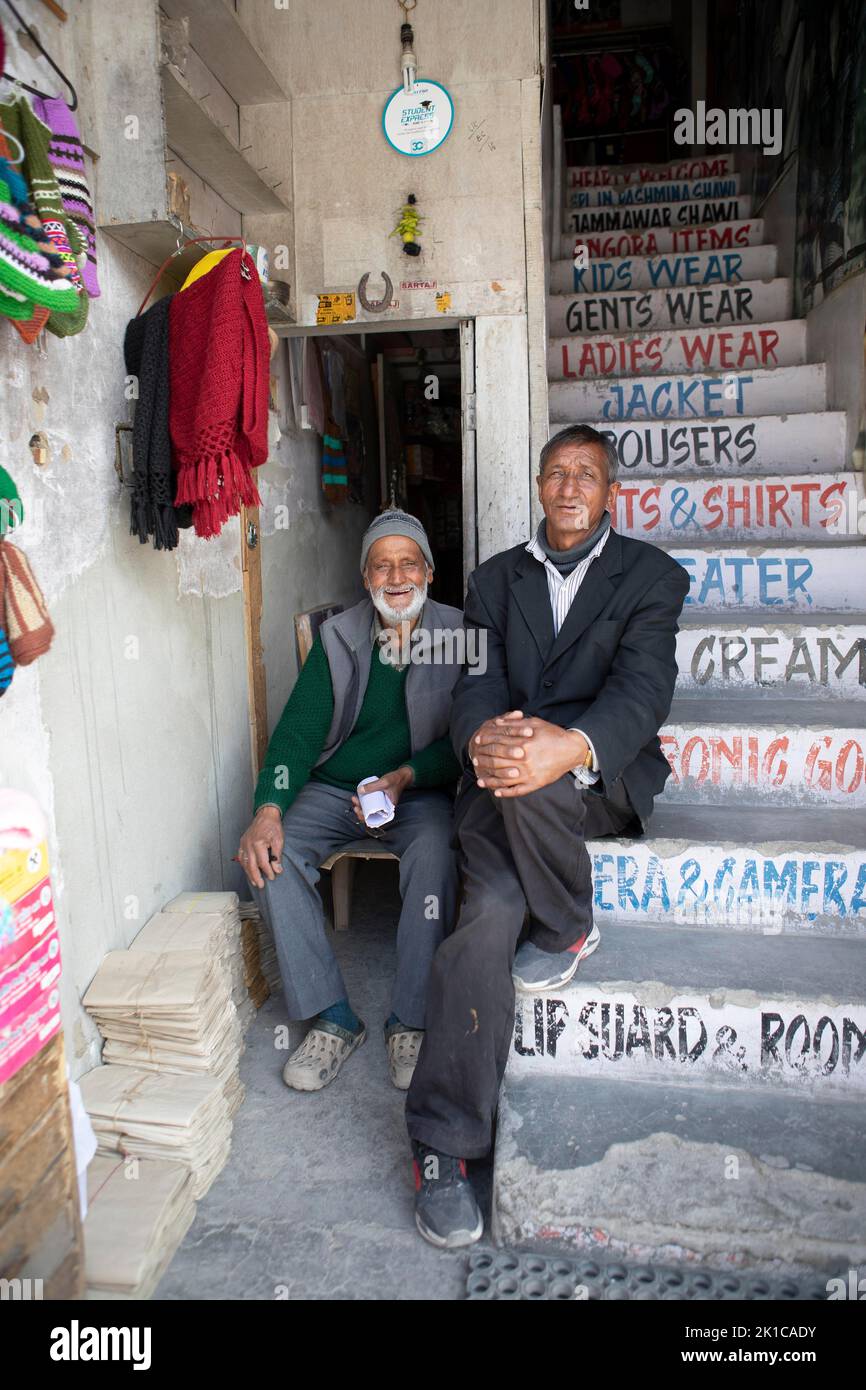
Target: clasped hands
column 513, row 755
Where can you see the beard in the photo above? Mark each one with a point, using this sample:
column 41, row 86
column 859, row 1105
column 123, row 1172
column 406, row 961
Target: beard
column 399, row 615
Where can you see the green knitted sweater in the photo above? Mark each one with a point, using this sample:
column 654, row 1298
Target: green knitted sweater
column 378, row 743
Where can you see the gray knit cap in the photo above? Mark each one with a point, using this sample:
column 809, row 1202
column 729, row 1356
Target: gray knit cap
column 396, row 523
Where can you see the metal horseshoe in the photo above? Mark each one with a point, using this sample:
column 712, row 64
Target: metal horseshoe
column 375, row 306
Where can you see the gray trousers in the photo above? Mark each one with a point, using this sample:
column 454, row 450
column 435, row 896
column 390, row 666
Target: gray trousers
column 320, row 821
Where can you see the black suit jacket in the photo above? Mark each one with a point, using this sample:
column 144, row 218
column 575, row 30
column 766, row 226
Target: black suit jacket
column 611, row 670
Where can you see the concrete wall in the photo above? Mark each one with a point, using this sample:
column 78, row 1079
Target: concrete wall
column 132, row 732
column 479, row 194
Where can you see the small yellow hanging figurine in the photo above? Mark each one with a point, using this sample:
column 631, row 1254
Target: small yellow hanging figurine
column 407, row 227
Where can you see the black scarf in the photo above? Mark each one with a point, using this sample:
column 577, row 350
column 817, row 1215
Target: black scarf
column 145, row 353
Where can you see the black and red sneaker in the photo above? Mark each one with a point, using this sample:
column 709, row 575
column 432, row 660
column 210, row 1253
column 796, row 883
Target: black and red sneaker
column 446, row 1212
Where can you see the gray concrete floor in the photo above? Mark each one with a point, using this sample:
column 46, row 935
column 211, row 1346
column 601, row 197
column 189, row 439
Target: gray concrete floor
column 316, row 1200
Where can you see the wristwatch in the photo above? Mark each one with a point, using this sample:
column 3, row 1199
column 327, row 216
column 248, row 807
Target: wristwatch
column 583, row 771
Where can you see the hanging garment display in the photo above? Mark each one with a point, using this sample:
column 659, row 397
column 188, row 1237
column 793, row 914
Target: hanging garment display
column 295, row 348
column 313, row 387
column 335, row 376
column 218, row 408
column 67, row 158
column 29, row 329
column 145, row 353
column 26, row 275
column 334, row 469
column 21, row 121
column 29, row 630
column 617, row 91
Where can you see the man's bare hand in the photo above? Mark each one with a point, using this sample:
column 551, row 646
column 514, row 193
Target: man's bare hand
column 394, row 783
column 513, row 755
column 265, row 833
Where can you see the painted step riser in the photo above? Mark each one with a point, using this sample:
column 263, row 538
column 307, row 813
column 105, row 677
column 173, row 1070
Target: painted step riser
column 660, row 241
column 734, row 349
column 792, row 444
column 698, row 269
column 777, row 580
column 690, row 396
column 704, row 212
column 606, row 1030
column 783, row 765
column 810, row 509
column 746, row 888
column 645, row 194
column 638, row 310
column 616, row 175
column 819, row 661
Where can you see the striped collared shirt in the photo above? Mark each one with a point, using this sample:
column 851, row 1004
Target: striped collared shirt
column 563, row 589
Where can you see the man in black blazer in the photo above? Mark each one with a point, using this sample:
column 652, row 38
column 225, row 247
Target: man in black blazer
column 558, row 738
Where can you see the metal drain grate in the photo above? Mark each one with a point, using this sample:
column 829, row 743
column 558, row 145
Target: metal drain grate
column 507, row 1274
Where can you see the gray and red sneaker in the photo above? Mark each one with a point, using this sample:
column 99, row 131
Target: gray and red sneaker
column 446, row 1212
column 535, row 971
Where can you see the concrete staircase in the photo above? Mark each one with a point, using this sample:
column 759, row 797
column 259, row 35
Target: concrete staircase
column 699, row 1091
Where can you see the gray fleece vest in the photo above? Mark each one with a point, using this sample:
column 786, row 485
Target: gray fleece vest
column 346, row 639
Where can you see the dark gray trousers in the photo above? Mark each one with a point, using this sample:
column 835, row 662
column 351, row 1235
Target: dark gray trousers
column 515, row 853
column 321, row 820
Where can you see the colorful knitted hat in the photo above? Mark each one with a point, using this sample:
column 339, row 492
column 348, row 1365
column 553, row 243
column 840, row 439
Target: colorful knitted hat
column 67, row 158
column 395, row 522
column 29, row 329
column 23, row 268
column 21, row 121
column 29, row 629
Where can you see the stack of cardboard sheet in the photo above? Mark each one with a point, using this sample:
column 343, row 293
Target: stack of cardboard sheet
column 138, row 1214
column 168, row 1011
column 268, row 963
column 146, row 1114
column 225, row 906
column 212, row 933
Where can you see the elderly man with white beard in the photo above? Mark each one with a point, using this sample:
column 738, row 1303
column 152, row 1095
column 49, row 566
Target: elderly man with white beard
column 363, row 705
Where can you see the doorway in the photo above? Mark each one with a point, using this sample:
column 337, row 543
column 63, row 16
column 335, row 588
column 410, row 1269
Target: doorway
column 404, row 410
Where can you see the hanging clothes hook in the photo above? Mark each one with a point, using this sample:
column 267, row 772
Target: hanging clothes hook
column 73, row 104
column 191, row 241
column 13, row 139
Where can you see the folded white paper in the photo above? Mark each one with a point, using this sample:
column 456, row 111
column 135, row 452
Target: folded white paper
column 377, row 808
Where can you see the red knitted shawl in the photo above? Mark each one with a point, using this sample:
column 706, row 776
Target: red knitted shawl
column 218, row 415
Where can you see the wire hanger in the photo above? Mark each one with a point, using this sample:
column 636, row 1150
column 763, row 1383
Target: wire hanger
column 73, row 104
column 181, row 247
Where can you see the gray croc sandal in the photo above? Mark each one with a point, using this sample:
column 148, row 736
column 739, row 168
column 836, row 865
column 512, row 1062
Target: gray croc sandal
column 320, row 1056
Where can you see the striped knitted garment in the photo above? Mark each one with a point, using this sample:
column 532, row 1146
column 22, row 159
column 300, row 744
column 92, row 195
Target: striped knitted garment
column 67, row 158
column 25, row 273
column 334, row 469
column 29, row 630
column 20, row 120
column 29, row 329
column 7, row 665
